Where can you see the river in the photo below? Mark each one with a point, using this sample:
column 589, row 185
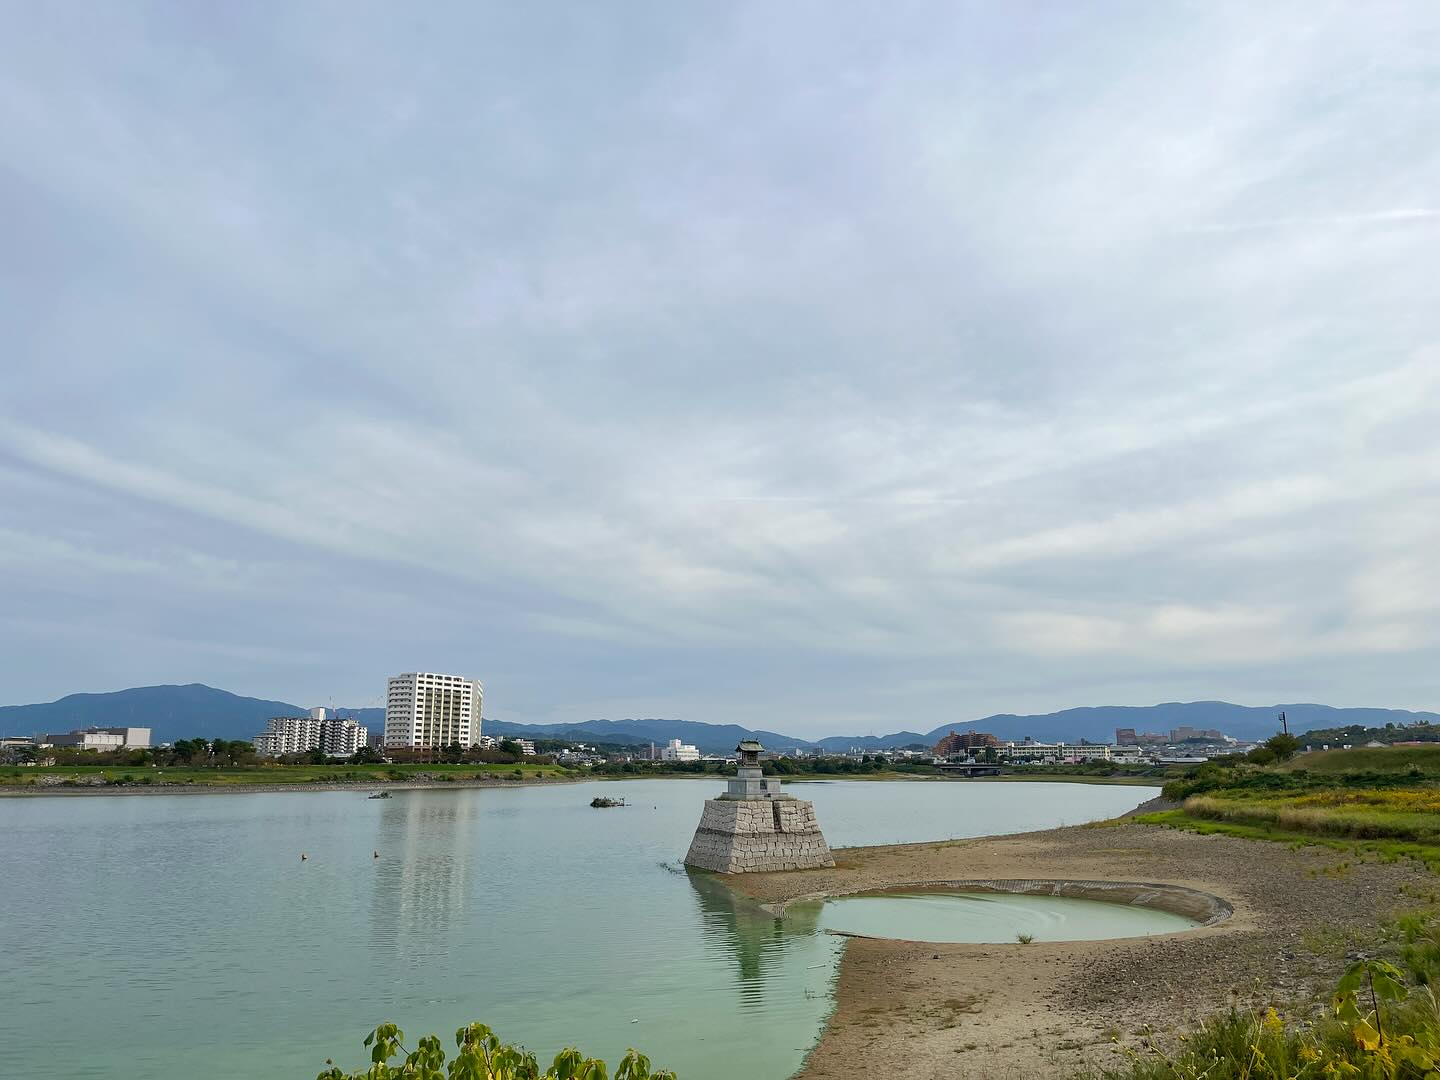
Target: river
column 174, row 937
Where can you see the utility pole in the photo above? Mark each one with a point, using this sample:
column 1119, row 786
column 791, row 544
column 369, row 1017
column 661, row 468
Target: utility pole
column 1284, row 724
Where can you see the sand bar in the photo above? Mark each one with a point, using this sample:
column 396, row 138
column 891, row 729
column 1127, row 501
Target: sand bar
column 926, row 1010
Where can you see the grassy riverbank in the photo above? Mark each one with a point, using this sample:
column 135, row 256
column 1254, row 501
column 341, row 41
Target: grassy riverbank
column 32, row 778
column 115, row 779
column 1381, row 801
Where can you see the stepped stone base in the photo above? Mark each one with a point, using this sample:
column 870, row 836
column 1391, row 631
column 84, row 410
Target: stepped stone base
column 742, row 836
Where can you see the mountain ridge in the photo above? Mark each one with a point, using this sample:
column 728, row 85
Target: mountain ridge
column 195, row 710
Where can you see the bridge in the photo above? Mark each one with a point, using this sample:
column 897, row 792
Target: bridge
column 967, row 768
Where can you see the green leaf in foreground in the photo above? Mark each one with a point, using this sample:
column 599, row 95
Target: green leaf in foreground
column 480, row 1055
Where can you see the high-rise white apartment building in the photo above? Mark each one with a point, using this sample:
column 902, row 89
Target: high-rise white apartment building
column 300, row 734
column 430, row 710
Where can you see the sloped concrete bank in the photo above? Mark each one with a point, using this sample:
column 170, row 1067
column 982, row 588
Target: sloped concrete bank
column 1202, row 908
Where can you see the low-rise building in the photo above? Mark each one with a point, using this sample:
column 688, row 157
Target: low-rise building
column 1069, row 752
column 100, row 738
column 86, row 740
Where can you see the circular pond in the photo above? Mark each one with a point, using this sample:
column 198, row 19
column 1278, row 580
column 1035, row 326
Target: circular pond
column 933, row 915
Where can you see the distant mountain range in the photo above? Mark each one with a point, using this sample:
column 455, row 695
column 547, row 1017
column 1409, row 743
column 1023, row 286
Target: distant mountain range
column 196, row 710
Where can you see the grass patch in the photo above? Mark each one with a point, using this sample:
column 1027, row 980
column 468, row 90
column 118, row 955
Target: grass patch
column 1362, row 815
column 1255, row 829
column 1372, row 759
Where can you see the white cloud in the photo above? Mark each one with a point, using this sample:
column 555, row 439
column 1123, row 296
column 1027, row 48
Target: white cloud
column 940, row 347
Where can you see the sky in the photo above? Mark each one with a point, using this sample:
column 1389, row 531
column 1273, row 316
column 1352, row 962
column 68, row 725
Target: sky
column 831, row 368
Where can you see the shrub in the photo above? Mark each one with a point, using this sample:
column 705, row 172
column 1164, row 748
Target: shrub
column 482, row 1056
column 1379, row 1028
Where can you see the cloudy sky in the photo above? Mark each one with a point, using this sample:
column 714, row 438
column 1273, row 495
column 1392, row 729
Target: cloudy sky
column 835, row 368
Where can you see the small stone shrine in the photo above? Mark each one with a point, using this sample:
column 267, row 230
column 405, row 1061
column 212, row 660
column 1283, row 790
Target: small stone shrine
column 752, row 826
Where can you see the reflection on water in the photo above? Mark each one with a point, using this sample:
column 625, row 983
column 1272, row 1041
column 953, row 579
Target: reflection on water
column 741, row 931
column 422, row 874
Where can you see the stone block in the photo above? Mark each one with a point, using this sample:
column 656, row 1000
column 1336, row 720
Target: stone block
column 741, row 837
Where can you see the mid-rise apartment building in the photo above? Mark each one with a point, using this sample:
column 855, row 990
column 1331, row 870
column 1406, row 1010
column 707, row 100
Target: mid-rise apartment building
column 341, row 737
column 426, row 709
column 336, row 736
column 678, row 751
column 952, row 745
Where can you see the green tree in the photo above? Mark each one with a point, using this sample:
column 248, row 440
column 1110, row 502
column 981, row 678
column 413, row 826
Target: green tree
column 1284, row 746
column 482, row 1056
column 188, row 750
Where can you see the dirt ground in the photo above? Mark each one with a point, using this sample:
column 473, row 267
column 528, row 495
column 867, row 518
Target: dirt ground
column 925, row 1010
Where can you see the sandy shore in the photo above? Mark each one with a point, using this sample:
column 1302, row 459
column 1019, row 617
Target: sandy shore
column 908, row 1009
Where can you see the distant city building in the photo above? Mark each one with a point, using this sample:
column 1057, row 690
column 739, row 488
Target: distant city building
column 678, row 751
column 1185, row 734
column 334, row 735
column 98, row 738
column 953, row 744
column 1127, row 736
column 136, row 738
column 425, row 709
column 1029, row 750
column 527, row 746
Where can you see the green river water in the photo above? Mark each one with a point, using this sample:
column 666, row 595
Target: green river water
column 179, row 937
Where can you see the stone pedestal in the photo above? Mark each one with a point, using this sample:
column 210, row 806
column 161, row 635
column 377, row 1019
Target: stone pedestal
column 754, row 827
column 744, row 836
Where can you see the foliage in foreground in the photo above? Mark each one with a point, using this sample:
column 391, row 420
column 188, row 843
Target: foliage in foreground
column 482, row 1056
column 1383, row 1024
